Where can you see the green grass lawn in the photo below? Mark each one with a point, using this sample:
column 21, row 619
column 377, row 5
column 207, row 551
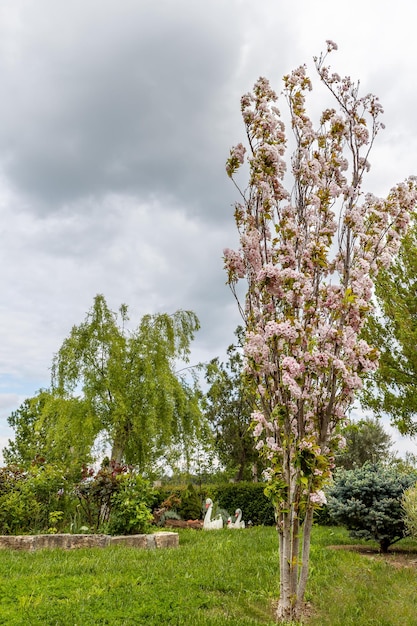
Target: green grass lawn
column 214, row 578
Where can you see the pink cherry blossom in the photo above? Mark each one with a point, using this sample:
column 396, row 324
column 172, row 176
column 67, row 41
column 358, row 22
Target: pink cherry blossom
column 318, row 497
column 331, row 45
column 296, row 289
column 311, row 243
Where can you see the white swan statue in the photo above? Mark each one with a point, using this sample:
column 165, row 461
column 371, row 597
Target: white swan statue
column 211, row 524
column 239, row 523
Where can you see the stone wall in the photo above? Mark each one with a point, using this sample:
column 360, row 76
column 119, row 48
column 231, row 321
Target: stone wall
column 68, row 541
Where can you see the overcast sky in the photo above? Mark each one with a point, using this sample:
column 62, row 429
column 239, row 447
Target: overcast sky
column 116, row 118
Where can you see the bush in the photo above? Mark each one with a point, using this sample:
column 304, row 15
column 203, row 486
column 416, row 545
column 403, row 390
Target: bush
column 32, row 501
column 115, row 500
column 42, row 500
column 95, row 492
column 409, row 504
column 190, row 504
column 367, row 501
column 131, row 506
column 19, row 512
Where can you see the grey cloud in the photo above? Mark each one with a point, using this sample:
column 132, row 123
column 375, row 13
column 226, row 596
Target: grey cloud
column 128, row 105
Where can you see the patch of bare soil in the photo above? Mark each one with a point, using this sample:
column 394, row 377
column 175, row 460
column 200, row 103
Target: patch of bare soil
column 396, row 556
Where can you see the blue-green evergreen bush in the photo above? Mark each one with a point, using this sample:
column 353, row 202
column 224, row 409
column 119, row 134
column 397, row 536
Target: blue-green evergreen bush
column 367, row 501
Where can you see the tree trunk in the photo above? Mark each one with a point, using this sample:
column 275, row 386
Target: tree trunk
column 117, row 452
column 384, row 545
column 239, row 474
column 305, row 559
column 293, row 565
column 284, row 607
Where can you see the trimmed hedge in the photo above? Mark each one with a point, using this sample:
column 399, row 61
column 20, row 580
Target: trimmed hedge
column 250, row 498
column 247, row 496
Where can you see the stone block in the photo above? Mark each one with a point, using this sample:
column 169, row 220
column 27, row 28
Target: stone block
column 67, row 541
column 166, row 540
column 133, row 541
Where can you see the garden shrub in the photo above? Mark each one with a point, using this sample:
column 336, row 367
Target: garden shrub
column 409, row 504
column 54, row 495
column 190, row 504
column 367, row 501
column 115, row 500
column 171, row 497
column 19, row 512
column 131, row 506
column 30, row 499
column 9, row 476
column 95, row 491
column 172, row 503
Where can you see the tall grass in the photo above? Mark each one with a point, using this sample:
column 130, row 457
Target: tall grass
column 214, row 578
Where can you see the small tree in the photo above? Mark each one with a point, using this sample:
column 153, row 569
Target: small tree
column 366, row 442
column 309, row 257
column 368, row 501
column 228, row 405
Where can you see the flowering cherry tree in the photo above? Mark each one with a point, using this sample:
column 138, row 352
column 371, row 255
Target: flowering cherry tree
column 309, row 256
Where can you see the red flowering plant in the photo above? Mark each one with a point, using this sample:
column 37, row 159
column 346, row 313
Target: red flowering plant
column 96, row 490
column 310, row 257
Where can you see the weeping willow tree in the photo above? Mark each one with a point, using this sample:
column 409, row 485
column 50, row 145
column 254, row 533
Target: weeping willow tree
column 127, row 381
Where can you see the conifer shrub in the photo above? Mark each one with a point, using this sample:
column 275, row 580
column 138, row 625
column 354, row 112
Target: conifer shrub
column 368, row 502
